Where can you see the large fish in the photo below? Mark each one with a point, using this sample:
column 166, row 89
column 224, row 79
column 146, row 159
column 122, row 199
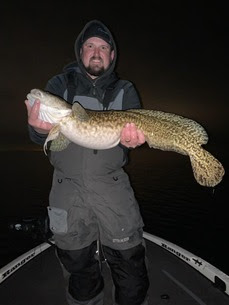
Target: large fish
column 101, row 130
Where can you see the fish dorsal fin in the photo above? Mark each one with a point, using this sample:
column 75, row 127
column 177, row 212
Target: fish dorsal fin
column 79, row 112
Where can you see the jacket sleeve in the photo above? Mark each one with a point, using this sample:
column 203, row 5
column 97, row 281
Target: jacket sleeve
column 57, row 84
column 36, row 137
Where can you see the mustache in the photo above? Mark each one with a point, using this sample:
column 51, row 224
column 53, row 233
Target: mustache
column 96, row 58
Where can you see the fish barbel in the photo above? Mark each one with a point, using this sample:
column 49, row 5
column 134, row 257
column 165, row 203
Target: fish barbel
column 102, row 129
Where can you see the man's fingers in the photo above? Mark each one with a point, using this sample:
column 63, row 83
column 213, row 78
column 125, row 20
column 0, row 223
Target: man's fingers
column 126, row 135
column 141, row 137
column 133, row 134
column 33, row 118
column 34, row 112
column 28, row 107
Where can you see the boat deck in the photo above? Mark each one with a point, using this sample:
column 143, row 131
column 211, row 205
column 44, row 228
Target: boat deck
column 172, row 281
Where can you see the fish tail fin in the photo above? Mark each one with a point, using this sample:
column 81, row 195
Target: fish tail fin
column 207, row 170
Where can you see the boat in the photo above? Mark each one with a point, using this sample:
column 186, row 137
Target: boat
column 177, row 277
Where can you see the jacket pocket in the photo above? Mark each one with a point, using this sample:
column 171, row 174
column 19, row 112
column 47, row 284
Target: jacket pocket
column 58, row 220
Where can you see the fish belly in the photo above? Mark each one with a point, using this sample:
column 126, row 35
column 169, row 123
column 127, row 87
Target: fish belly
column 92, row 137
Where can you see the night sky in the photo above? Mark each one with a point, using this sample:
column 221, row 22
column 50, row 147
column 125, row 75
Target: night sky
column 176, row 56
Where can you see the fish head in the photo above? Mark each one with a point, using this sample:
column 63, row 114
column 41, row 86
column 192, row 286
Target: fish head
column 52, row 108
column 46, row 99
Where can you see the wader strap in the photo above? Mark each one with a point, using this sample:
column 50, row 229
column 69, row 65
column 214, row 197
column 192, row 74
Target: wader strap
column 108, row 94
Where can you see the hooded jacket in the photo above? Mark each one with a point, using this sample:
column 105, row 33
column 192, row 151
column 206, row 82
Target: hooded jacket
column 91, row 196
column 103, row 93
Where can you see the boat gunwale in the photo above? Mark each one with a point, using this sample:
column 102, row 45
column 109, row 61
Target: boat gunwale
column 209, row 271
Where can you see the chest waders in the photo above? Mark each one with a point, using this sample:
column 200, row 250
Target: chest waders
column 123, row 251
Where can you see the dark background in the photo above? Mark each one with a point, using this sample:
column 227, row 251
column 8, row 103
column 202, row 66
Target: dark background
column 176, row 55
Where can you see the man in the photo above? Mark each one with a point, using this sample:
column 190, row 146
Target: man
column 91, row 198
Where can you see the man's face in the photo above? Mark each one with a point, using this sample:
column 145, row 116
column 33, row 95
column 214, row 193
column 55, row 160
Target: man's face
column 96, row 55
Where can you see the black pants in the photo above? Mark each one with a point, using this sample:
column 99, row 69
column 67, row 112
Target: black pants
column 128, row 271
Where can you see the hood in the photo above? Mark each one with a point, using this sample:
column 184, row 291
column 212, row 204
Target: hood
column 103, row 33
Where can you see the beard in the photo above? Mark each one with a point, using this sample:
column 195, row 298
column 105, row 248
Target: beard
column 95, row 69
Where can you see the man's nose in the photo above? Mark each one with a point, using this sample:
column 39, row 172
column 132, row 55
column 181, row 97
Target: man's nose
column 96, row 52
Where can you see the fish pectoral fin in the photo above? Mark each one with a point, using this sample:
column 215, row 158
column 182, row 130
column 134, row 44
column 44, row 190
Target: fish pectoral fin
column 79, row 112
column 60, row 143
column 53, row 134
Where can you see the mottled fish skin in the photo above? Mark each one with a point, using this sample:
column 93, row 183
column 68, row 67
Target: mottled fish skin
column 162, row 130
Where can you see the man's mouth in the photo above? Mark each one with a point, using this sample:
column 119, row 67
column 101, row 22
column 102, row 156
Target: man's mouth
column 96, row 60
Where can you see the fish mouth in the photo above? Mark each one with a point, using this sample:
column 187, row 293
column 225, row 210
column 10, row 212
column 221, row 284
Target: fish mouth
column 34, row 95
column 29, row 96
column 31, row 99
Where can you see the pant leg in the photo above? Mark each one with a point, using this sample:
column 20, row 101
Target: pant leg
column 85, row 279
column 97, row 300
column 129, row 274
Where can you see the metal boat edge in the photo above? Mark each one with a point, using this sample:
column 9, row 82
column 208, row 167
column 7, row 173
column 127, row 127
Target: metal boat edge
column 219, row 278
column 21, row 260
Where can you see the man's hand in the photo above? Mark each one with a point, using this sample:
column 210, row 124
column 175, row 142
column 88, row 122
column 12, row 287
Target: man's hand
column 131, row 137
column 33, row 120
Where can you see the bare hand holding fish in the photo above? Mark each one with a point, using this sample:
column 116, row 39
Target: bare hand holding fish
column 33, row 110
column 102, row 129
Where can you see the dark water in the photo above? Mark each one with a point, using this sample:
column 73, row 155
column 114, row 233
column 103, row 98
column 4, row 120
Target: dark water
column 174, row 206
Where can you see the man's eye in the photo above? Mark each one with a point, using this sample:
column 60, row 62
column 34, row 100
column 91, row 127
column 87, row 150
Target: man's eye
column 89, row 46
